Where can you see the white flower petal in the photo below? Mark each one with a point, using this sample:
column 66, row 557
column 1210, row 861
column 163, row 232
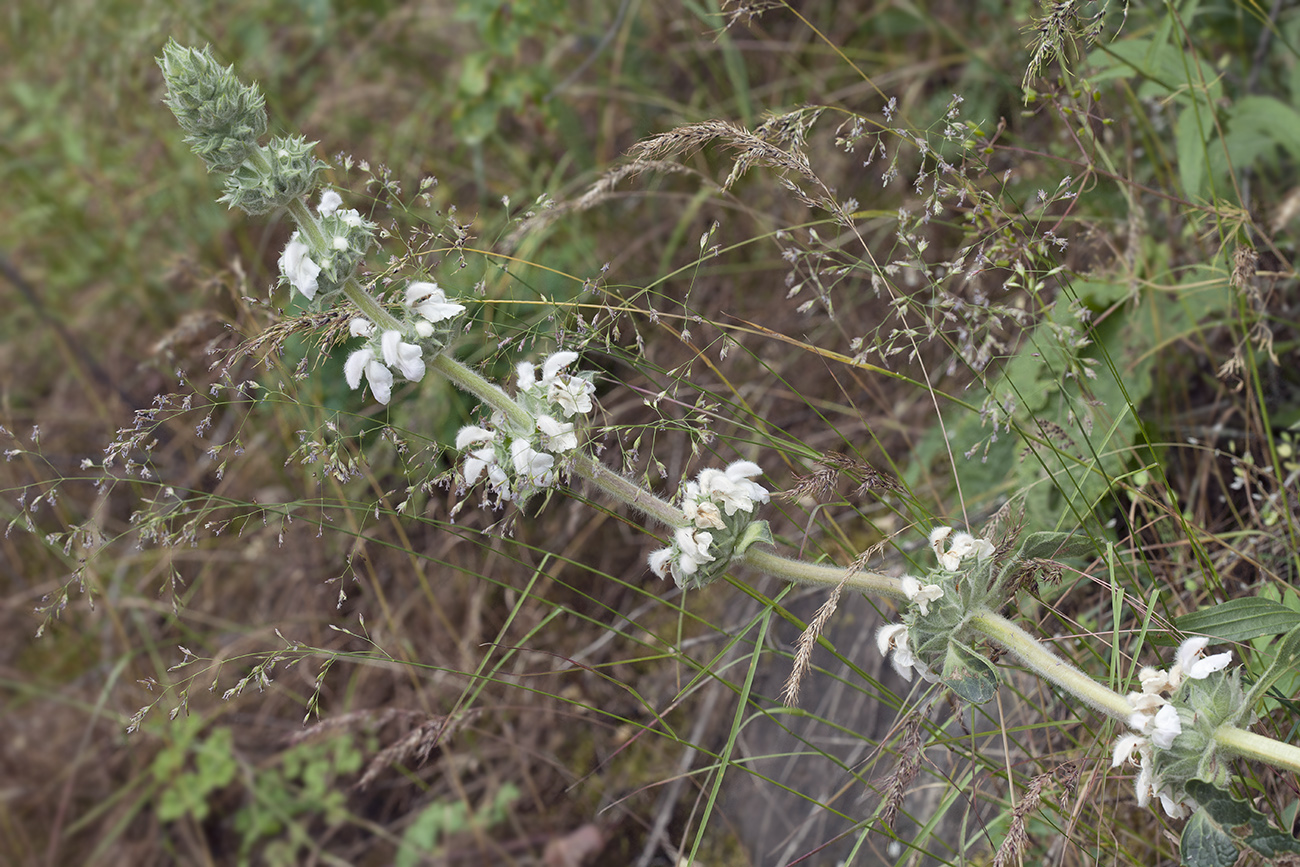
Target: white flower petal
column 1167, row 727
column 557, row 436
column 694, row 544
column 1189, row 651
column 527, row 375
column 533, row 465
column 329, row 203
column 403, row 356
column 361, row 327
column 298, row 268
column 889, row 636
column 381, row 381
column 473, row 434
column 1125, row 746
column 355, row 366
column 557, row 362
column 1203, row 668
column 428, row 300
column 660, row 561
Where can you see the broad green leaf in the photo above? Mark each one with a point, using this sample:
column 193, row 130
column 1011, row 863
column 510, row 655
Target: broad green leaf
column 1204, row 845
column 1229, row 821
column 1240, row 619
column 968, row 674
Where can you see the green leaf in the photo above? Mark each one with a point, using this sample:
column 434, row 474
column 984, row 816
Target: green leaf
column 1223, row 825
column 1204, row 845
column 1286, row 659
column 968, row 674
column 755, row 531
column 1241, row 619
column 1050, row 545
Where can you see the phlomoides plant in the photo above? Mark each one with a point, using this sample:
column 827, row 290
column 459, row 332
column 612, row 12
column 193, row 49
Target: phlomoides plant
column 1181, row 729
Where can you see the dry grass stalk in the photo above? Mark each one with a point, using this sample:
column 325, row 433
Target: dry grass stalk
column 1013, row 845
column 803, row 656
column 909, row 762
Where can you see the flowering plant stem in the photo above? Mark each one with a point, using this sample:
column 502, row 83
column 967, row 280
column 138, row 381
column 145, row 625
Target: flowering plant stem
column 1032, row 653
column 1249, row 745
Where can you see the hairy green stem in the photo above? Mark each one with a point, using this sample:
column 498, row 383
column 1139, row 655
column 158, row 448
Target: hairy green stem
column 1049, row 666
column 802, row 572
column 627, row 491
column 1249, row 745
column 493, row 395
column 307, row 223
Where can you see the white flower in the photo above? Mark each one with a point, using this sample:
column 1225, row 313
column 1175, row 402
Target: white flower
column 363, row 361
column 703, row 513
column 1176, row 809
column 660, row 561
column 554, row 364
column 480, row 461
column 1153, row 680
column 893, row 637
column 921, row 594
column 732, row 488
column 572, row 393
column 527, row 374
column 1167, row 727
column 694, row 545
column 889, row 636
column 298, row 268
column 1126, row 745
column 471, row 434
column 329, row 203
column 429, row 301
column 403, row 356
column 361, row 327
column 1189, row 663
column 557, row 436
column 533, row 465
column 963, row 545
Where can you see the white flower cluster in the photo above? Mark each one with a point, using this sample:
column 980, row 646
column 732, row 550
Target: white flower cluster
column 570, row 392
column 713, row 494
column 519, row 463
column 1156, row 723
column 963, row 545
column 891, row 639
column 379, row 358
column 296, row 263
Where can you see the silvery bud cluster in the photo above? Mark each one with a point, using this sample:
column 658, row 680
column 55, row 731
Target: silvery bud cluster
column 426, row 326
column 720, row 506
column 273, row 176
column 222, row 117
column 518, row 463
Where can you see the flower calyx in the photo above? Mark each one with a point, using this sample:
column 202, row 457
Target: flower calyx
column 720, row 505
